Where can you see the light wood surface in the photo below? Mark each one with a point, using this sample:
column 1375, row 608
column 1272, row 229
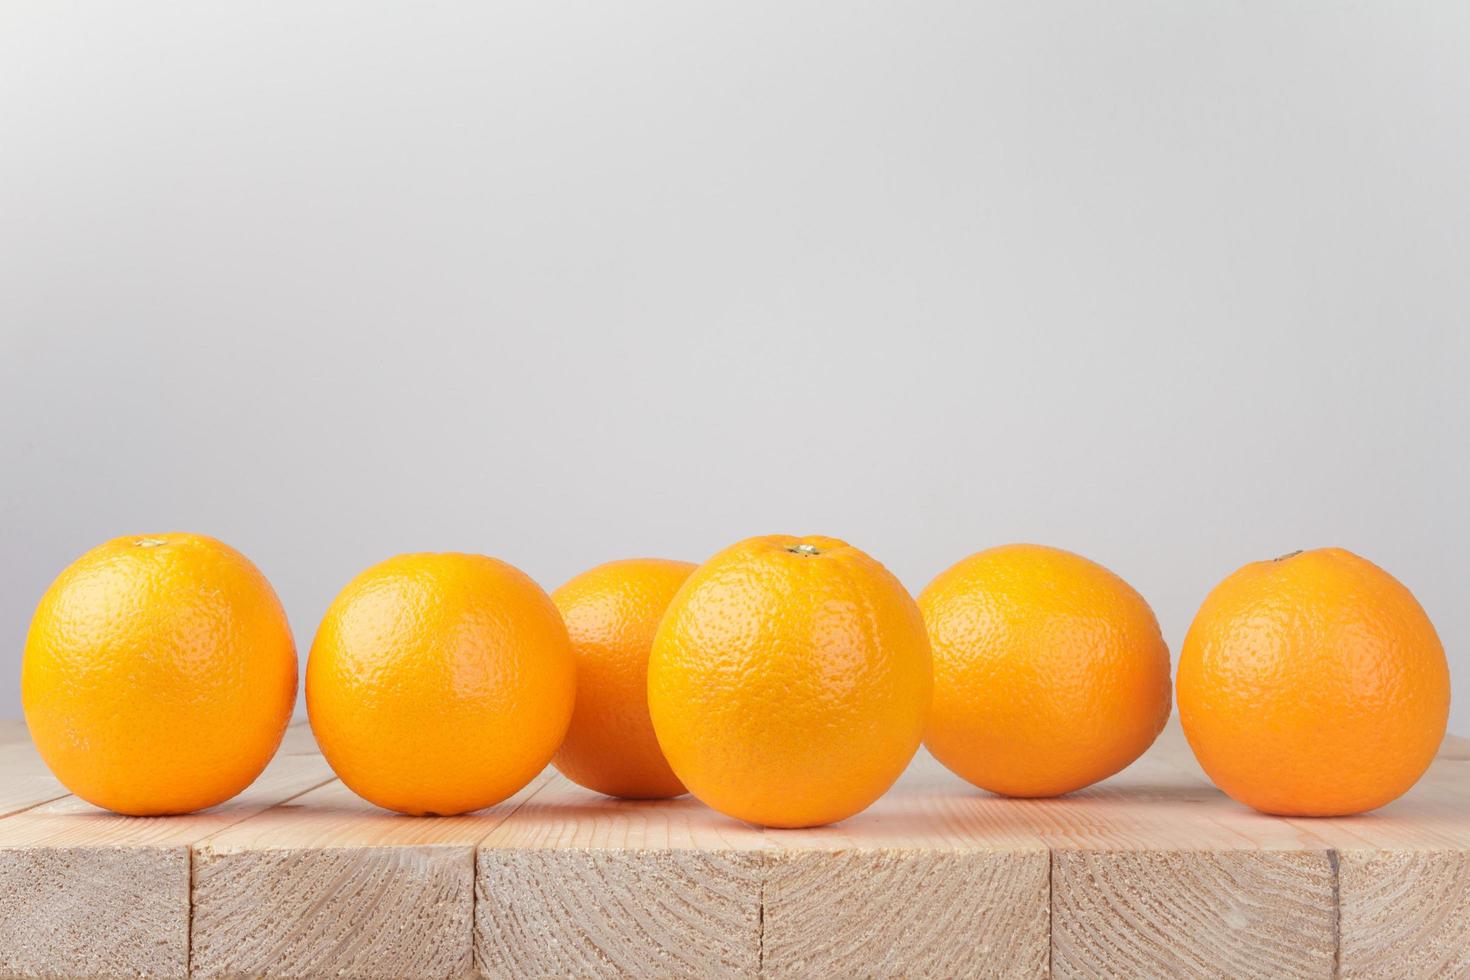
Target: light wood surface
column 13, row 730
column 329, row 885
column 1402, row 873
column 84, row 892
column 935, row 879
column 25, row 781
column 1150, row 873
column 1404, row 880
column 576, row 884
column 1155, row 873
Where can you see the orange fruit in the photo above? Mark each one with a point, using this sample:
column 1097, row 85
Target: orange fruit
column 159, row 674
column 1050, row 672
column 440, row 683
column 789, row 681
column 1313, row 685
column 612, row 612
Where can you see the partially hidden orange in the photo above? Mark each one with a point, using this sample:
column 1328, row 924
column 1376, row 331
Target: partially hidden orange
column 1050, row 672
column 1313, row 685
column 612, row 612
column 789, row 681
column 159, row 674
column 440, row 683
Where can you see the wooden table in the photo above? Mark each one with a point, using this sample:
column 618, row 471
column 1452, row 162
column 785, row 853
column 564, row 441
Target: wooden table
column 1152, row 873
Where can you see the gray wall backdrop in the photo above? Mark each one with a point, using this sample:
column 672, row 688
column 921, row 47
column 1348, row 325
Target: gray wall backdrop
column 1176, row 286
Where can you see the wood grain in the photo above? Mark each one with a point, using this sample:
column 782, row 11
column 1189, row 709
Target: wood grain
column 1404, row 880
column 932, row 880
column 330, row 885
column 1403, row 895
column 1180, row 913
column 1150, row 873
column 298, row 740
column 1405, row 913
column 1158, row 874
column 13, row 731
column 577, row 884
column 87, row 893
column 25, row 781
column 1455, row 747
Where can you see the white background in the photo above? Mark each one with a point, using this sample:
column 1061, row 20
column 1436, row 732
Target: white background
column 1176, row 286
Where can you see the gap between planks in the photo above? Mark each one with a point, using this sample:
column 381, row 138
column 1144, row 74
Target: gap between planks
column 1400, row 874
column 565, row 881
column 331, row 885
column 925, row 820
column 91, row 893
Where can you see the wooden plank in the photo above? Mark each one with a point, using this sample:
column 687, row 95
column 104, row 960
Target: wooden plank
column 1405, row 913
column 298, row 740
column 578, row 884
column 1153, row 872
column 1455, row 747
column 934, row 879
column 330, row 885
column 25, row 781
column 1404, row 880
column 1156, row 874
column 13, row 732
column 1402, row 873
column 87, row 893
